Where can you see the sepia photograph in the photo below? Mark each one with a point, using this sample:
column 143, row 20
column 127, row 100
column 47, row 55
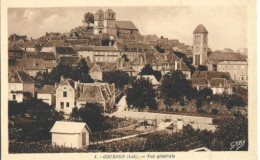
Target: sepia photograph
column 131, row 79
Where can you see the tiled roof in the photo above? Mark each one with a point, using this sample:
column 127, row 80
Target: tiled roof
column 104, row 48
column 68, row 127
column 54, row 43
column 65, row 50
column 208, row 75
column 226, row 56
column 47, row 89
column 218, row 82
column 85, row 48
column 199, row 81
column 46, row 55
column 92, row 94
column 125, row 25
column 145, row 58
column 17, row 76
column 32, row 64
column 29, row 45
column 69, row 60
column 200, row 29
column 50, row 64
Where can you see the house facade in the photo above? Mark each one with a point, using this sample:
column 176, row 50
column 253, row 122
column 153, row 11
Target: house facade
column 47, row 94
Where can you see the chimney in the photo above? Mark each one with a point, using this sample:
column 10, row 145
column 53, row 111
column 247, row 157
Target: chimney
column 175, row 65
column 62, row 78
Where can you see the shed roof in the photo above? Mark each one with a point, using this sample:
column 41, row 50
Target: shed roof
column 92, row 94
column 68, row 127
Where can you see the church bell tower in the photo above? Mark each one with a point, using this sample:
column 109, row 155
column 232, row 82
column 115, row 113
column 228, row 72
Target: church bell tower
column 200, row 45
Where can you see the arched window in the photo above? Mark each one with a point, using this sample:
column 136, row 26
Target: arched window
column 100, row 32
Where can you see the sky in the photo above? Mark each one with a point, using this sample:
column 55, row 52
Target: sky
column 227, row 25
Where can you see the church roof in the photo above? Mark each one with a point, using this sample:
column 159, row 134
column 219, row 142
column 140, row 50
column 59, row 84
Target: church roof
column 99, row 12
column 125, row 25
column 226, row 56
column 200, row 29
column 109, row 11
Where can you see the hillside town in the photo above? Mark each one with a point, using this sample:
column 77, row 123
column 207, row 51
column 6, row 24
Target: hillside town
column 106, row 87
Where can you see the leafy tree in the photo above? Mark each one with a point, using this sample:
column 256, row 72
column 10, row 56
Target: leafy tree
column 81, row 72
column 148, row 70
column 231, row 130
column 120, row 78
column 88, row 18
column 141, row 95
column 203, row 96
column 176, row 88
column 92, row 115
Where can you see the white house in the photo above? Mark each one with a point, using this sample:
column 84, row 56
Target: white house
column 19, row 83
column 70, row 134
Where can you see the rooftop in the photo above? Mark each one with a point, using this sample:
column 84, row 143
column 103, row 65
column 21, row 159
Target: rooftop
column 200, row 29
column 68, row 127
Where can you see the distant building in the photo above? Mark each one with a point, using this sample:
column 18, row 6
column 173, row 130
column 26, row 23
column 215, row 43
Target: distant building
column 219, row 82
column 70, row 134
column 95, row 72
column 200, row 45
column 100, row 53
column 105, row 22
column 19, row 83
column 232, row 62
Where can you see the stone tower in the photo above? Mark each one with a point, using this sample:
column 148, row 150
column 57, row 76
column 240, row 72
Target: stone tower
column 200, row 45
column 98, row 22
column 109, row 22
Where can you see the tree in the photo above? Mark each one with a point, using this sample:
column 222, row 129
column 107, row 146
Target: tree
column 81, row 72
column 176, row 88
column 148, row 70
column 141, row 94
column 202, row 68
column 120, row 78
column 92, row 115
column 88, row 18
column 203, row 96
column 231, row 130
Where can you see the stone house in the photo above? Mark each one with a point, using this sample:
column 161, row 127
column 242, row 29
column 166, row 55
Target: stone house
column 70, row 94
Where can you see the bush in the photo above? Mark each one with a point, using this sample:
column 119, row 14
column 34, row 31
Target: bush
column 214, row 111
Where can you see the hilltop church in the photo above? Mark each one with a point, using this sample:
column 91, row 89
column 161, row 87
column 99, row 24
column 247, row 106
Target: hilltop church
column 105, row 22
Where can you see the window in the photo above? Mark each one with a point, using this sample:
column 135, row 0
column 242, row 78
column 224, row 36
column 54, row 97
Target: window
column 67, row 104
column 62, row 105
column 64, row 93
column 14, row 97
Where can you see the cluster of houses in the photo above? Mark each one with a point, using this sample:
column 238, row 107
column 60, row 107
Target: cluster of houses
column 109, row 45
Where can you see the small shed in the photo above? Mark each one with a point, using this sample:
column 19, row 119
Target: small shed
column 70, row 134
